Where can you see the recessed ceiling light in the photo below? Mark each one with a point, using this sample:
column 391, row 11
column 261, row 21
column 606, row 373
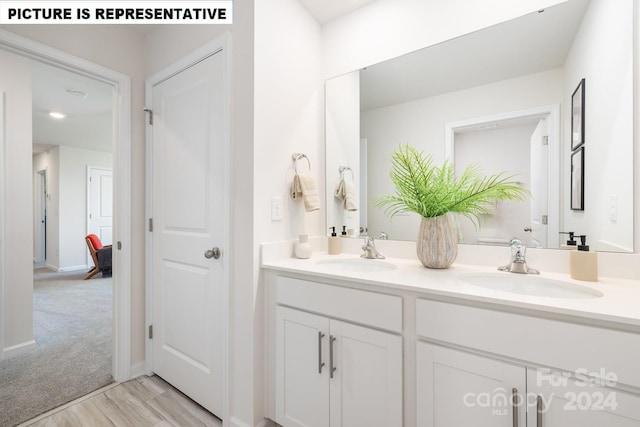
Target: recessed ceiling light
column 76, row 92
column 57, row 115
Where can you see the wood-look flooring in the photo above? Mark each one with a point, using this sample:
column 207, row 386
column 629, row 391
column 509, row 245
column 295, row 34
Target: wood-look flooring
column 140, row 402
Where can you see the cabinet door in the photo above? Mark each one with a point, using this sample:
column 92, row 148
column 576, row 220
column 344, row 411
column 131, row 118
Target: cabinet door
column 302, row 381
column 455, row 388
column 557, row 400
column 366, row 385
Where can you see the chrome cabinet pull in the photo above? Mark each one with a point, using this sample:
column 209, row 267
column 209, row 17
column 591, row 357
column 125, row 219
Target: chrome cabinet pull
column 332, row 368
column 539, row 411
column 514, row 406
column 320, row 362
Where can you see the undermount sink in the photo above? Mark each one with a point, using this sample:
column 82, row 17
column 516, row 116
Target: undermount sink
column 359, row 265
column 529, row 284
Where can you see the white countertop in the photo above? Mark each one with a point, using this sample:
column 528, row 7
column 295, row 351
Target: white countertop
column 620, row 302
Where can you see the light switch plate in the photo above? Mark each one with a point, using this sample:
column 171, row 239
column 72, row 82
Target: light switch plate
column 276, row 208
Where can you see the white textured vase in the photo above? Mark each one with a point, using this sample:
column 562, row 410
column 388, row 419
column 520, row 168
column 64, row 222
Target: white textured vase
column 302, row 249
column 437, row 244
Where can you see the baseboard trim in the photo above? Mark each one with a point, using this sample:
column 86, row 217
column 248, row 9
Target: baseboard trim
column 138, row 370
column 16, row 350
column 237, row 422
column 74, row 268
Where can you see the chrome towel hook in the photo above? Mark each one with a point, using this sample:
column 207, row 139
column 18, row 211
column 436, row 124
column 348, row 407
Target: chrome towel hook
column 343, row 169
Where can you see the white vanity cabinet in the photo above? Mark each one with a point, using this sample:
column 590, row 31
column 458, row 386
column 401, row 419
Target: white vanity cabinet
column 481, row 367
column 338, row 356
column 555, row 399
column 456, row 388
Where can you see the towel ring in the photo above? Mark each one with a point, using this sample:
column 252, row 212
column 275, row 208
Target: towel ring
column 343, row 169
column 298, row 156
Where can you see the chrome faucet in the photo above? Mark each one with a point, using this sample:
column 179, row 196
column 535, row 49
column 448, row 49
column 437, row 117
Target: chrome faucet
column 518, row 262
column 369, row 248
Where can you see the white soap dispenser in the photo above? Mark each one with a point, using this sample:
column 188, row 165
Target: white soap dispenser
column 583, row 263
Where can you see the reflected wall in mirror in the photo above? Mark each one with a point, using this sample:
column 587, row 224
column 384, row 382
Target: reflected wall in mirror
column 484, row 98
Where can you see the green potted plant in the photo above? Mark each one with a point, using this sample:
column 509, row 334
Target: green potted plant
column 435, row 193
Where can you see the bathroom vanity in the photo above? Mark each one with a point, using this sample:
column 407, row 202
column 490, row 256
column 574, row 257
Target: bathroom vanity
column 354, row 342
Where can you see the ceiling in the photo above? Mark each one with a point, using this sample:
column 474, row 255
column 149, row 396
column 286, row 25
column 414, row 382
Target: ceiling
column 88, row 121
column 328, row 10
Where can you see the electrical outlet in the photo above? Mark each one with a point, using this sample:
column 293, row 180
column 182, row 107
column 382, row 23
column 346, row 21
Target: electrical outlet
column 276, row 208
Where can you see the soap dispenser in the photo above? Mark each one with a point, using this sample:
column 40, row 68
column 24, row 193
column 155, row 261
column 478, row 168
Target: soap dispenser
column 335, row 245
column 344, row 231
column 583, row 263
column 571, row 244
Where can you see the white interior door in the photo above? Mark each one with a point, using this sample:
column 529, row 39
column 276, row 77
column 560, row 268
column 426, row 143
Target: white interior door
column 539, row 185
column 101, row 204
column 189, row 221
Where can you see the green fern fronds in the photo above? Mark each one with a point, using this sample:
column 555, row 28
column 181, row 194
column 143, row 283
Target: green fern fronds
column 432, row 191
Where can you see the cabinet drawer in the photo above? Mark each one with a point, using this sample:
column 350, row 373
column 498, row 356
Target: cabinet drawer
column 545, row 342
column 364, row 307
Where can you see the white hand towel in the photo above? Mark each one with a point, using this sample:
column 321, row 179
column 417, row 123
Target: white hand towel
column 303, row 187
column 345, row 192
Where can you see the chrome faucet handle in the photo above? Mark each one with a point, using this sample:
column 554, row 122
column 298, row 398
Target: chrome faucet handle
column 518, row 262
column 369, row 248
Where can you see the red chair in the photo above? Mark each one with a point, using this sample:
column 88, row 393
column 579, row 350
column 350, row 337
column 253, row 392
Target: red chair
column 94, row 244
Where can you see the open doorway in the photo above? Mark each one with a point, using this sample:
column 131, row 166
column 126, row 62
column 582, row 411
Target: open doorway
column 528, row 141
column 120, row 140
column 72, row 317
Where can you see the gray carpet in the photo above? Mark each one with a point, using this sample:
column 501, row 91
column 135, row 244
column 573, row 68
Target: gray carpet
column 72, row 327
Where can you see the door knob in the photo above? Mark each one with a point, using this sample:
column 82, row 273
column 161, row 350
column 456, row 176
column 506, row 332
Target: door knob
column 213, row 253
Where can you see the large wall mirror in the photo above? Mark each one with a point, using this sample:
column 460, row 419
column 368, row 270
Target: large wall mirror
column 500, row 98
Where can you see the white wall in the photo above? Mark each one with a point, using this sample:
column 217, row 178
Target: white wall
column 67, row 202
column 602, row 54
column 16, row 275
column 72, row 215
column 422, row 123
column 289, row 112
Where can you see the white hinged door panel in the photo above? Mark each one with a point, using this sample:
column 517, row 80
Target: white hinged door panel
column 366, row 385
column 302, row 365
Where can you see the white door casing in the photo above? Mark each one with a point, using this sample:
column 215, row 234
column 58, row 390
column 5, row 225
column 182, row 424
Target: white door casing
column 100, row 204
column 40, row 217
column 188, row 201
column 539, row 177
column 121, row 135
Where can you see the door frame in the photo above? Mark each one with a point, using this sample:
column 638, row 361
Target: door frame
column 121, row 143
column 552, row 114
column 40, row 210
column 222, row 46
